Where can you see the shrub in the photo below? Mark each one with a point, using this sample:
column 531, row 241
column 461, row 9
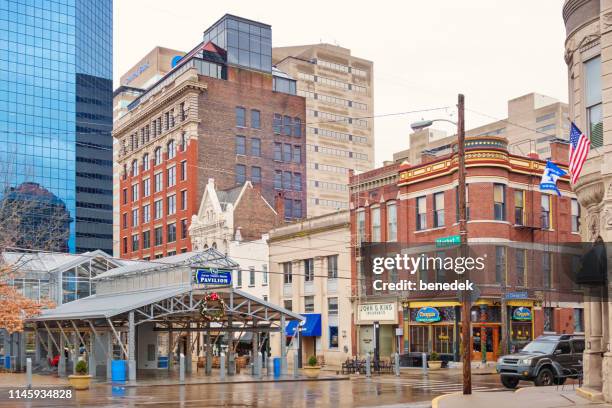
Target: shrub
column 434, row 356
column 81, row 368
column 312, row 361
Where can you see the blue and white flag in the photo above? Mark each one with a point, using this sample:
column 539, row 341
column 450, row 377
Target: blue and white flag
column 549, row 178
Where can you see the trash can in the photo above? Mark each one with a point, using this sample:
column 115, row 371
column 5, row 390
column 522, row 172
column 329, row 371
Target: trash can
column 162, row 362
column 277, row 366
column 118, row 370
column 7, row 362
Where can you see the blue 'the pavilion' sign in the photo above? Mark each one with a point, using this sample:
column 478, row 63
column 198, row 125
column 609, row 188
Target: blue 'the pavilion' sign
column 522, row 313
column 427, row 314
column 212, row 276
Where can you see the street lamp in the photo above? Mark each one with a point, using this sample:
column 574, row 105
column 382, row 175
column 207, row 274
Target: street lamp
column 465, row 303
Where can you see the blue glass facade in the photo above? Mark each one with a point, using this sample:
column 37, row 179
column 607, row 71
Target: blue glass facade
column 56, row 108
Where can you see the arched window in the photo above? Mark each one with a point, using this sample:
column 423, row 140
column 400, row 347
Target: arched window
column 134, row 167
column 158, row 155
column 171, row 149
column 205, row 246
column 145, row 162
column 214, row 245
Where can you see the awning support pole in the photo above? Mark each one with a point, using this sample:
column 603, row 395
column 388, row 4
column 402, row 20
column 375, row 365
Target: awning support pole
column 76, row 330
column 97, row 338
column 125, row 353
column 131, row 347
column 283, row 346
column 208, row 350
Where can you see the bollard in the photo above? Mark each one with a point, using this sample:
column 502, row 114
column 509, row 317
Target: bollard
column 397, row 364
column 258, row 365
column 368, row 368
column 270, row 366
column 29, row 372
column 222, row 365
column 182, row 368
column 424, row 360
column 296, row 371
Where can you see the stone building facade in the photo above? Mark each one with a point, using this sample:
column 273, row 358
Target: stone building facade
column 588, row 54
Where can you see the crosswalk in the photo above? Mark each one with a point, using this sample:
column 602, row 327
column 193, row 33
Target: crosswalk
column 434, row 386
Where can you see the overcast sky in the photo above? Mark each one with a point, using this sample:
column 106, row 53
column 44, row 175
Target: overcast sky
column 424, row 51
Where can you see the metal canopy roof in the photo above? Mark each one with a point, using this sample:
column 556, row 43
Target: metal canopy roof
column 167, row 305
column 209, row 257
column 103, row 306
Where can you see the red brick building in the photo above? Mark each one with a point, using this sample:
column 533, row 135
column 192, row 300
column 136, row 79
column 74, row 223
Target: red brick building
column 414, row 205
column 222, row 112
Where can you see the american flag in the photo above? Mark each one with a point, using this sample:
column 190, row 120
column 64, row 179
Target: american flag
column 579, row 150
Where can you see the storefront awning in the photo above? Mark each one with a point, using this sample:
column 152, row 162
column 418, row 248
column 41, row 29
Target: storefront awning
column 310, row 328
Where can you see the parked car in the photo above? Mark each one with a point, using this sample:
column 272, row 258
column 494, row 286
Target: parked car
column 548, row 360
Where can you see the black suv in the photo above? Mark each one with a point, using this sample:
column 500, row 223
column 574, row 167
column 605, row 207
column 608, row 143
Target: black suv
column 548, row 360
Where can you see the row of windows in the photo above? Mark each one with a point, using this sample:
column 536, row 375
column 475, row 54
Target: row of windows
column 143, row 240
column 337, row 152
column 238, row 276
column 391, row 208
column 287, row 125
column 94, row 190
column 287, row 153
column 240, row 146
column 157, row 127
column 285, row 180
column 341, row 205
column 333, row 100
column 499, row 209
column 546, row 117
column 308, row 265
column 292, row 208
column 241, row 120
column 338, row 135
column 334, row 83
column 328, row 168
column 158, row 157
column 332, row 117
column 326, row 185
column 158, row 183
column 143, row 214
column 241, row 174
column 341, row 67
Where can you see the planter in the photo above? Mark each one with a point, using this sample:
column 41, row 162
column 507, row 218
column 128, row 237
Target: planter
column 434, row 365
column 79, row 382
column 311, row 371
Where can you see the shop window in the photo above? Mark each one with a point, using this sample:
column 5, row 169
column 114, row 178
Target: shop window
column 419, row 339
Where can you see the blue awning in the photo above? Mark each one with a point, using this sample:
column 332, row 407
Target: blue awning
column 310, row 328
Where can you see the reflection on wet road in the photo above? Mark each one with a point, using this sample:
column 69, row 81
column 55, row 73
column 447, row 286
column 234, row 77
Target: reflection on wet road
column 357, row 392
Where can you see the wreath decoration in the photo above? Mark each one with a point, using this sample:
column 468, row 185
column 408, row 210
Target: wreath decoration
column 212, row 307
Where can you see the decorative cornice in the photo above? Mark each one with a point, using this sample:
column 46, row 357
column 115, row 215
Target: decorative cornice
column 156, row 103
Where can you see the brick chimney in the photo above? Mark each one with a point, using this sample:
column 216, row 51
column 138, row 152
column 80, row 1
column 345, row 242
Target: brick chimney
column 559, row 151
column 279, row 205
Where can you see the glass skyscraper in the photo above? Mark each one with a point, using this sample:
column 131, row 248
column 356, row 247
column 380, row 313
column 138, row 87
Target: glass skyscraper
column 56, row 110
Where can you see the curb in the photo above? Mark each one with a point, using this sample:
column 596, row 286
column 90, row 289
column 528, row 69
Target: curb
column 591, row 395
column 134, row 385
column 435, row 403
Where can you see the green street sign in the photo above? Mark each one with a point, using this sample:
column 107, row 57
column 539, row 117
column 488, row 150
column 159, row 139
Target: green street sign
column 449, row 241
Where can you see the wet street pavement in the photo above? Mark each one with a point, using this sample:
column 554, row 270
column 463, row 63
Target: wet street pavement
column 411, row 388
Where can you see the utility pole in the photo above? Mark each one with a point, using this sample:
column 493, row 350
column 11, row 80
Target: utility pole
column 466, row 304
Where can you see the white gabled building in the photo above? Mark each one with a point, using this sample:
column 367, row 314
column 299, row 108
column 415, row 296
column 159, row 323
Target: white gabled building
column 236, row 222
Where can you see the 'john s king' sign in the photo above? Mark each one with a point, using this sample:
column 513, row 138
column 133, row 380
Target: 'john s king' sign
column 212, row 276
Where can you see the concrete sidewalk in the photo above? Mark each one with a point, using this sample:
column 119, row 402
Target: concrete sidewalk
column 13, row 380
column 540, row 397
